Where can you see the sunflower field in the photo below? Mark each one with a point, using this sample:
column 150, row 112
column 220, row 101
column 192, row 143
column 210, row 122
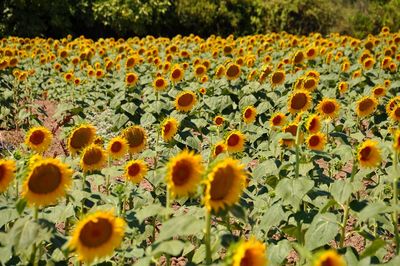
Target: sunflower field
column 273, row 149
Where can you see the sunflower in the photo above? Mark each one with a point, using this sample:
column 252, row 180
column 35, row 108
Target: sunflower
column 250, row 253
column 277, row 78
column 235, row 141
column 299, row 101
column 368, row 63
column 298, row 58
column 396, row 142
column 136, row 137
column 329, row 258
column 38, row 139
column 233, row 71
column 203, row 90
column 185, row 101
column 328, row 108
column 224, row 185
column 277, row 120
column 316, row 141
column 219, row 148
column 7, row 173
column 177, row 74
column 160, row 83
column 313, row 123
column 219, row 120
column 81, row 137
column 135, row 170
column 184, row 172
column 366, row 106
column 117, row 147
column 392, row 104
column 343, row 87
column 97, row 235
column 169, row 128
column 369, row 154
column 131, row 79
column 379, row 91
column 395, row 113
column 310, row 83
column 249, row 114
column 47, row 181
column 93, row 158
column 220, row 71
column 199, row 71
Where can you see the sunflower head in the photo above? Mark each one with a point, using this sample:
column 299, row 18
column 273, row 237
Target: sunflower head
column 235, row 141
column 379, row 91
column 299, row 101
column 329, row 257
column 224, row 185
column 316, row 141
column 160, row 83
column 232, row 71
column 97, row 236
column 185, row 101
column 135, row 170
column 396, row 141
column 328, row 108
column 169, row 127
column 395, row 113
column 93, row 158
column 313, row 123
column 219, row 147
column 310, row 83
column 277, row 120
column 177, row 74
column 7, row 173
column 277, row 78
column 250, row 252
column 47, row 181
column 249, row 114
column 38, row 139
column 369, row 154
column 81, row 137
column 136, row 137
column 184, row 172
column 131, row 79
column 343, row 87
column 219, row 120
column 366, row 106
column 117, row 147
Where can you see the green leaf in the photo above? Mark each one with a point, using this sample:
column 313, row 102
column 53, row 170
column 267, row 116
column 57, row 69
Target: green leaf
column 172, row 247
column 265, row 169
column 323, row 229
column 341, row 190
column 278, row 253
column 272, row 217
column 372, row 210
column 292, row 191
column 148, row 211
column 199, row 255
column 188, row 225
column 373, row 248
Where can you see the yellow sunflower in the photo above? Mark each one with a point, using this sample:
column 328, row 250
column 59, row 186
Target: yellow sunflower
column 224, row 185
column 38, row 139
column 185, row 101
column 160, row 83
column 395, row 113
column 310, row 83
column 343, row 87
column 184, row 172
column 277, row 78
column 249, row 114
column 169, row 128
column 235, row 141
column 219, row 120
column 93, row 158
column 369, row 154
column 117, row 147
column 177, row 74
column 135, row 170
column 366, row 106
column 316, row 141
column 299, row 101
column 131, row 79
column 233, row 71
column 392, row 104
column 7, row 173
column 219, row 148
column 313, row 123
column 328, row 108
column 277, row 120
column 47, row 181
column 97, row 236
column 199, row 71
column 396, row 142
column 250, row 253
column 379, row 91
column 81, row 137
column 329, row 258
column 136, row 137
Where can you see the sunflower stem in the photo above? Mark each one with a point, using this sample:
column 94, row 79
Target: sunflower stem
column 108, row 177
column 167, row 203
column 297, row 144
column 34, row 249
column 207, row 238
column 395, row 202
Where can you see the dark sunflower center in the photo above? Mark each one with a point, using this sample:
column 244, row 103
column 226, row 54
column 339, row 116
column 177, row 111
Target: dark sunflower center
column 378, row 91
column 185, row 100
column 37, row 137
column 313, row 124
column 298, row 58
column 219, row 121
column 248, row 259
column 167, row 128
column 181, row 172
column 299, row 101
column 397, row 112
column 310, row 83
column 292, row 130
column 277, row 78
column 44, row 179
column 232, row 71
column 134, row 169
column 135, row 137
column 365, row 153
column 2, row 172
column 131, row 78
column 199, row 70
column 314, row 141
column 328, row 107
column 116, row 147
column 328, row 262
column 248, row 113
column 365, row 105
column 218, row 149
column 233, row 140
column 81, row 138
column 222, row 182
column 159, row 83
column 96, row 233
column 277, row 120
column 176, row 74
column 92, row 156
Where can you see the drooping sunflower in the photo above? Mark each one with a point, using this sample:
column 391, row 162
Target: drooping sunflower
column 224, row 185
column 185, row 101
column 169, row 128
column 184, row 172
column 177, row 74
column 233, row 71
column 160, row 83
column 369, row 154
column 131, row 79
column 97, row 236
column 93, row 158
column 117, row 147
column 135, row 170
column 366, row 106
column 219, row 148
column 313, row 123
column 136, row 137
column 329, row 258
column 277, row 78
column 250, row 253
column 316, row 141
column 38, row 139
column 299, row 101
column 7, row 173
column 81, row 137
column 235, row 141
column 219, row 120
column 249, row 114
column 47, row 181
column 277, row 120
column 328, row 108
column 379, row 91
column 343, row 87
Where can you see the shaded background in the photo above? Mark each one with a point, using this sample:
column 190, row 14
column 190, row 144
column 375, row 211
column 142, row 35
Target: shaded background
column 124, row 18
